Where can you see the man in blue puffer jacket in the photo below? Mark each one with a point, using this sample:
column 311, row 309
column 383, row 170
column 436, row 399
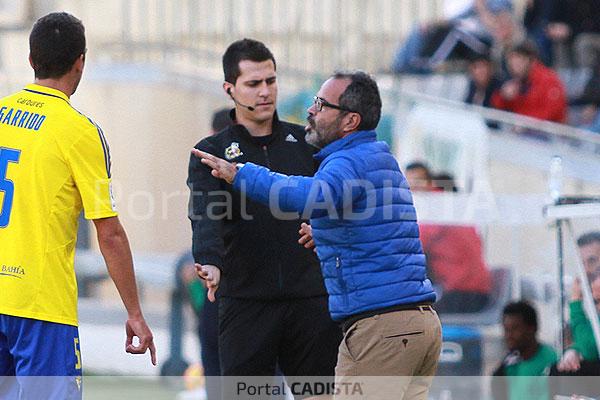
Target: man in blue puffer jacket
column 365, row 229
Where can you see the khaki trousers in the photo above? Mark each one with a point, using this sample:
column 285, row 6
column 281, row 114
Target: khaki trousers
column 390, row 356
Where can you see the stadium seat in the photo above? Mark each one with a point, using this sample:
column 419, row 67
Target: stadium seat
column 490, row 315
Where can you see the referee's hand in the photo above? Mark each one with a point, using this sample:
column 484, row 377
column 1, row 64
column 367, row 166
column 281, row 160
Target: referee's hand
column 306, row 238
column 211, row 276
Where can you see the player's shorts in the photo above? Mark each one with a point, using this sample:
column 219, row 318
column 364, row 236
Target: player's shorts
column 39, row 359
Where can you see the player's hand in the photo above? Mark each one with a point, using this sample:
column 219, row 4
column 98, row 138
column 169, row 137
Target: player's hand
column 306, row 238
column 211, row 276
column 220, row 168
column 138, row 327
column 570, row 361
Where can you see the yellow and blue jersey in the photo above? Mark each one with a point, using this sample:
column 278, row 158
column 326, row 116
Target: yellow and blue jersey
column 54, row 162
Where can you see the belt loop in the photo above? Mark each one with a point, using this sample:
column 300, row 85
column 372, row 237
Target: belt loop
column 421, row 308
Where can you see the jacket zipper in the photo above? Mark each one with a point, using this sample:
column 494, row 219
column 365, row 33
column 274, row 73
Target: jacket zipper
column 338, row 267
column 265, row 150
column 266, row 154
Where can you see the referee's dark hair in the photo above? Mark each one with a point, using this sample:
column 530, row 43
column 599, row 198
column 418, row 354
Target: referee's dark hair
column 361, row 96
column 245, row 49
column 524, row 310
column 55, row 43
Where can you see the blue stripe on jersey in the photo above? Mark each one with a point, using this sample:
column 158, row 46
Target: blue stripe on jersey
column 103, row 141
column 105, row 148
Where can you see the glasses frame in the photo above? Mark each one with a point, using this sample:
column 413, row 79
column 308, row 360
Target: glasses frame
column 320, row 102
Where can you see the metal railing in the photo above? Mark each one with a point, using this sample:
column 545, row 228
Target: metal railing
column 515, row 139
column 553, row 129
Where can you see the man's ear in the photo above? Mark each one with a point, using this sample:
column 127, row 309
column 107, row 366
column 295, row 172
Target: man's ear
column 31, row 62
column 80, row 62
column 353, row 122
column 227, row 87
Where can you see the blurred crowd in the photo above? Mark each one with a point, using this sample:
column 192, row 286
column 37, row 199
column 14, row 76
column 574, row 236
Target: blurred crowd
column 528, row 357
column 512, row 61
column 464, row 285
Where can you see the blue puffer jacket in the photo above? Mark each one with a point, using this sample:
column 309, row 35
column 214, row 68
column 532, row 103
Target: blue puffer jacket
column 363, row 220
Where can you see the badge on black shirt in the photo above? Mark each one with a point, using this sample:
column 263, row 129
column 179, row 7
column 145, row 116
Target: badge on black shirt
column 233, row 151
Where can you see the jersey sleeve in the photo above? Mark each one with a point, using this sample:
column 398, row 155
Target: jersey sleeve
column 89, row 159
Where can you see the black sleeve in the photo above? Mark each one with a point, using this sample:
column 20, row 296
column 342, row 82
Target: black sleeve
column 207, row 201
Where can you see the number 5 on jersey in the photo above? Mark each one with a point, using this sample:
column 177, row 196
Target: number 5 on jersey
column 7, row 187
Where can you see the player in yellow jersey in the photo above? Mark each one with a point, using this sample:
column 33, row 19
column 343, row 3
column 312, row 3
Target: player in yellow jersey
column 54, row 162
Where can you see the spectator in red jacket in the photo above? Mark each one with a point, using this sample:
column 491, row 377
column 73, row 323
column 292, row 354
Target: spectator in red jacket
column 454, row 253
column 534, row 90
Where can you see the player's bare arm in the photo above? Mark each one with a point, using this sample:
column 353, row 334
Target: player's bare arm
column 115, row 249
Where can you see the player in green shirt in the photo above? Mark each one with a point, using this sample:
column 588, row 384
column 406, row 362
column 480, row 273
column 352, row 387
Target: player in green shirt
column 584, row 347
column 528, row 363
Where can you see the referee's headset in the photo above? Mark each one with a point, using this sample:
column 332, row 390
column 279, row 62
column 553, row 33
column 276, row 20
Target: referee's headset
column 237, row 102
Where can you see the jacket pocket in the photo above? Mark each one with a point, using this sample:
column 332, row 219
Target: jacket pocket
column 404, row 334
column 345, row 345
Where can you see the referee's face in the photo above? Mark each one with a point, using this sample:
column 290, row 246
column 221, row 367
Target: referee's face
column 256, row 87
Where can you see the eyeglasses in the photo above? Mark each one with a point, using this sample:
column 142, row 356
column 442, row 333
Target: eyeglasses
column 320, row 102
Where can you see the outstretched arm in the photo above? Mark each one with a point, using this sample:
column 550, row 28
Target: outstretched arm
column 331, row 188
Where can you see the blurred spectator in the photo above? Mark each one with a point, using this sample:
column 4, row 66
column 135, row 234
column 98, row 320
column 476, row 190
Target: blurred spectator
column 419, row 177
column 589, row 250
column 589, row 117
column 581, row 357
column 527, row 360
column 454, row 253
column 483, row 81
column 536, row 19
column 468, row 27
column 445, row 182
column 208, row 334
column 584, row 347
column 576, row 24
column 534, row 90
column 207, row 312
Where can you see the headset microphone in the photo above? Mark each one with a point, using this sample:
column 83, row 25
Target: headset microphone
column 237, row 102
